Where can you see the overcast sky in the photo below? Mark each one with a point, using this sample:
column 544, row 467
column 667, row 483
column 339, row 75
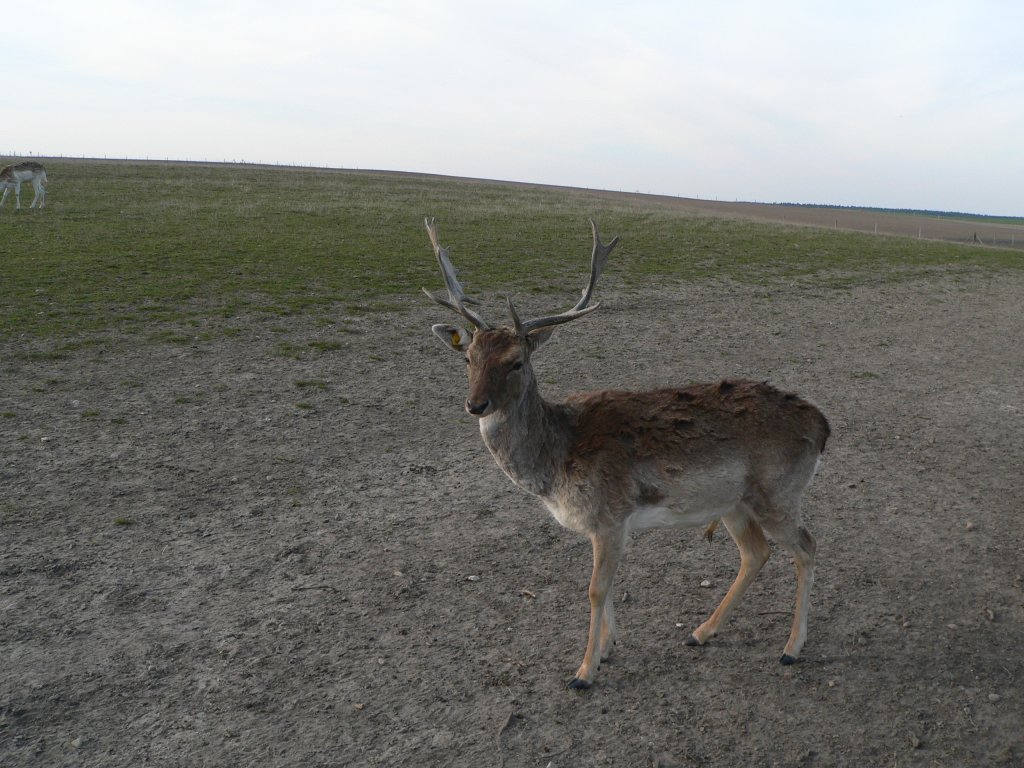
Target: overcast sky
column 891, row 104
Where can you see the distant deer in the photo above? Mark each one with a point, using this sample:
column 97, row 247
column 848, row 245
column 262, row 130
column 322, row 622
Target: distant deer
column 14, row 175
column 607, row 463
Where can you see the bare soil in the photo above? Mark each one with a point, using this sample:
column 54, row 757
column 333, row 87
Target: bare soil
column 913, row 225
column 254, row 551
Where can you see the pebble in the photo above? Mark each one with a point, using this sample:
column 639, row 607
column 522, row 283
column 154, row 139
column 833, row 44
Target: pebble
column 994, row 697
column 473, row 578
column 705, row 583
column 970, row 526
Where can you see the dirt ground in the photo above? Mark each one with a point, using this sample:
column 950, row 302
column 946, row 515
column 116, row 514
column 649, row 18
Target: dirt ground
column 973, row 232
column 287, row 546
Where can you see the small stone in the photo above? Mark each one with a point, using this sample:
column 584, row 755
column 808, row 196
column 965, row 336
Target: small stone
column 990, row 614
column 994, row 697
column 77, row 742
column 906, row 624
column 473, row 578
column 705, row 583
column 970, row 526
column 831, row 683
column 952, row 626
column 914, row 741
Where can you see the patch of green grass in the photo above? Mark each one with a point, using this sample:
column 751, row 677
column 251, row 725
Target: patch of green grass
column 8, row 512
column 311, row 384
column 326, row 346
column 129, row 247
column 168, row 336
column 289, row 350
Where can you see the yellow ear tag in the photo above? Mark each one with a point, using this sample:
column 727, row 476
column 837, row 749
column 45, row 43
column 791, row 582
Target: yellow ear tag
column 456, row 339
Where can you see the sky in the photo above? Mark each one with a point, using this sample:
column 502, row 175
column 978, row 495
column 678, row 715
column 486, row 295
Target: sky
column 885, row 104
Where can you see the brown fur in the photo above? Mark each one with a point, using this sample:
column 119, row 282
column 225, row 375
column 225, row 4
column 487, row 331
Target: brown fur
column 682, row 421
column 7, row 172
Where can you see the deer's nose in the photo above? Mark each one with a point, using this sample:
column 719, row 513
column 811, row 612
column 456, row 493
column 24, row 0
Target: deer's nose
column 477, row 409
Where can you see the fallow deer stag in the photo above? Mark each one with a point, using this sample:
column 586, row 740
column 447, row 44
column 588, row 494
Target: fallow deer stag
column 608, row 463
column 14, row 175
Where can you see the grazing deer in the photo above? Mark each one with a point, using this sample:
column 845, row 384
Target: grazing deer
column 608, row 463
column 13, row 175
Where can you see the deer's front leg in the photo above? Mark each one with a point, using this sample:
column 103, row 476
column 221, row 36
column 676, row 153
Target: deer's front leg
column 608, row 548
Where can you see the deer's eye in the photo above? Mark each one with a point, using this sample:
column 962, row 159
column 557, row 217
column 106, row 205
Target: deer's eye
column 467, row 359
column 517, row 365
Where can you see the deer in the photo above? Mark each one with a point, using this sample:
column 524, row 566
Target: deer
column 14, row 175
column 607, row 463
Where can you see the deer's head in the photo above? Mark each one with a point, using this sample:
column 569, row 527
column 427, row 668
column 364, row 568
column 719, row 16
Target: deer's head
column 498, row 358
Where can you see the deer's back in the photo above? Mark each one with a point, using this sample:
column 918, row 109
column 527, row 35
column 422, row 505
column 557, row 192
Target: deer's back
column 698, row 424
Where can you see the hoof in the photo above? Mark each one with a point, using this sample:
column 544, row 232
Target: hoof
column 787, row 660
column 578, row 685
column 693, row 641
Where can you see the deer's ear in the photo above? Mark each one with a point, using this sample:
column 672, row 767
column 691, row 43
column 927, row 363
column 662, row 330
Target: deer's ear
column 537, row 339
column 454, row 338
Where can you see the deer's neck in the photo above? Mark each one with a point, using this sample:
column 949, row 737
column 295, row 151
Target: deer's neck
column 528, row 441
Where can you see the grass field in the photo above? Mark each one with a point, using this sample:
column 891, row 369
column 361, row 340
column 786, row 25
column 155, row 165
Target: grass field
column 123, row 245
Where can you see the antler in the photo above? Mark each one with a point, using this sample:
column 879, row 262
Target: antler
column 598, row 259
column 457, row 298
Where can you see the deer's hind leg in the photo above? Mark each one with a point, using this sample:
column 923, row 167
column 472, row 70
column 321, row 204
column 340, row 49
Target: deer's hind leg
column 40, row 194
column 754, row 553
column 780, row 516
column 799, row 541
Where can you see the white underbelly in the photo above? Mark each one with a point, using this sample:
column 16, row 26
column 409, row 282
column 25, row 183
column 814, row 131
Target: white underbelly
column 672, row 516
column 694, row 499
column 566, row 517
